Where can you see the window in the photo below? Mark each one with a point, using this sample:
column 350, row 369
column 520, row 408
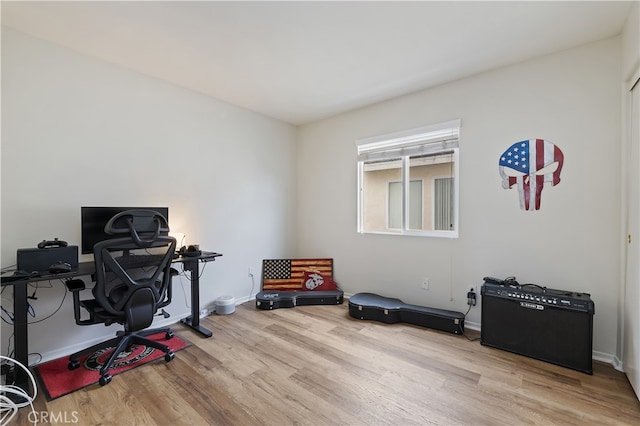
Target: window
column 408, row 182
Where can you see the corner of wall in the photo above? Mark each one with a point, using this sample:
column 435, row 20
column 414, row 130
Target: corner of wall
column 631, row 42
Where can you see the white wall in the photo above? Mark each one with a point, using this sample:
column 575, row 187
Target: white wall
column 572, row 99
column 631, row 42
column 79, row 132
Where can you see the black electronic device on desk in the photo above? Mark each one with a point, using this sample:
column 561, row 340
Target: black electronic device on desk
column 190, row 251
column 548, row 324
column 53, row 256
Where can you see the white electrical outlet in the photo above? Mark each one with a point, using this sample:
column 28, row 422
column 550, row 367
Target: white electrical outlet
column 204, row 312
column 425, row 283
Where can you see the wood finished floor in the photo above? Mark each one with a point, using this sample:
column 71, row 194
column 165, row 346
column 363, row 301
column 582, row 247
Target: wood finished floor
column 315, row 365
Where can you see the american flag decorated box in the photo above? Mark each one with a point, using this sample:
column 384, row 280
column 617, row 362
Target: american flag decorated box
column 290, row 274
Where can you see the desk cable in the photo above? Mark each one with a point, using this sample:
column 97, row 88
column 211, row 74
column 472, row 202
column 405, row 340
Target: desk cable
column 10, row 268
column 8, row 407
column 187, row 276
column 184, row 292
column 184, row 274
column 64, row 296
column 471, row 339
column 9, row 316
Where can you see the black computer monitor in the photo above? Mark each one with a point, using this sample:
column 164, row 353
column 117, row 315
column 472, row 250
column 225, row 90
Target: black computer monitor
column 93, row 220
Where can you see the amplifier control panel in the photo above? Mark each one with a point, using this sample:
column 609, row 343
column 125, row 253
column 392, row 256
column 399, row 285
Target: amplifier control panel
column 538, row 297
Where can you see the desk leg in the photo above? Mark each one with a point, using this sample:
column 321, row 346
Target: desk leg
column 193, row 321
column 20, row 336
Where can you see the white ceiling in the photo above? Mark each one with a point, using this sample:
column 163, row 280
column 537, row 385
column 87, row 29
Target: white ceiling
column 303, row 61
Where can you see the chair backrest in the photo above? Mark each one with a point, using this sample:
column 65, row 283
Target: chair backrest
column 133, row 272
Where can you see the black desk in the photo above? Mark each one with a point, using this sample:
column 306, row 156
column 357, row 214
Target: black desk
column 193, row 264
column 20, row 283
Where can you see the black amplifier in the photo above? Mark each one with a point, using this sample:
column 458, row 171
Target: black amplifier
column 40, row 259
column 551, row 325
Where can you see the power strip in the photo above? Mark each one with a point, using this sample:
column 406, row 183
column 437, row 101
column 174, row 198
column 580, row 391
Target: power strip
column 471, row 298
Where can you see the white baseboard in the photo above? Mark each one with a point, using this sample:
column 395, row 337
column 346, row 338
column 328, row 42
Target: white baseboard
column 603, row 357
column 472, row 325
column 617, row 364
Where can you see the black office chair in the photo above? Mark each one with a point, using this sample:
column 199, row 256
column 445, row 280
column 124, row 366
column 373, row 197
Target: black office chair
column 132, row 282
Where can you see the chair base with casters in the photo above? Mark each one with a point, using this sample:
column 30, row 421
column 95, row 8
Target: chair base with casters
column 124, row 340
column 123, row 343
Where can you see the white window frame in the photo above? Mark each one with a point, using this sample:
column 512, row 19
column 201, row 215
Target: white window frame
column 434, row 139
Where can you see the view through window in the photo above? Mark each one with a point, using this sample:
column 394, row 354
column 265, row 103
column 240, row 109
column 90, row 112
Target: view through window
column 408, row 182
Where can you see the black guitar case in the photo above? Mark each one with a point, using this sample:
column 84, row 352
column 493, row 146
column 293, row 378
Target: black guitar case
column 369, row 306
column 273, row 299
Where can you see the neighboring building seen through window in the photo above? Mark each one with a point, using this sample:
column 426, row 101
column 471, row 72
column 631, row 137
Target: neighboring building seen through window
column 408, row 182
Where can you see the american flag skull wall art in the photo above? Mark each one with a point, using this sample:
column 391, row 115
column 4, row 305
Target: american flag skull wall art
column 529, row 165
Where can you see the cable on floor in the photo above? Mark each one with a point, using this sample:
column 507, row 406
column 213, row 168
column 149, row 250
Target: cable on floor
column 8, row 407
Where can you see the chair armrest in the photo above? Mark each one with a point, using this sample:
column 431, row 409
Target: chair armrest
column 75, row 287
